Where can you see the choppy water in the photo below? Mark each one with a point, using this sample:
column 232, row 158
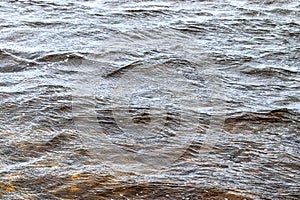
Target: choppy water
column 149, row 99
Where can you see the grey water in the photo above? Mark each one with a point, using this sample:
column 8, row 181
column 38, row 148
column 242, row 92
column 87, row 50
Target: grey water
column 162, row 99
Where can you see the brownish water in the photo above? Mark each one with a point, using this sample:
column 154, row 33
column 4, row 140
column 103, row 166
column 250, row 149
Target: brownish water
column 149, row 99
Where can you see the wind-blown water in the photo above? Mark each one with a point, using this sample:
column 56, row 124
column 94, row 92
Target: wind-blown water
column 149, row 99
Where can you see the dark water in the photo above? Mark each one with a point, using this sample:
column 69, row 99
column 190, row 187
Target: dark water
column 149, row 99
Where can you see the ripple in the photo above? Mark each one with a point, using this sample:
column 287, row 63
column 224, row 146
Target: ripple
column 222, row 77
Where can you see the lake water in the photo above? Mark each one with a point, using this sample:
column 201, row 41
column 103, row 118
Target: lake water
column 149, row 99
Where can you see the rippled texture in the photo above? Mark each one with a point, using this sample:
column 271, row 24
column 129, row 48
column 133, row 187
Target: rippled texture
column 249, row 47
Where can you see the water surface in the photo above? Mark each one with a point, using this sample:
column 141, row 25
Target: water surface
column 149, row 99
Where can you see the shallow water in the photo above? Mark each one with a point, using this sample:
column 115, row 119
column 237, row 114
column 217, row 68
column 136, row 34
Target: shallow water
column 149, row 99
